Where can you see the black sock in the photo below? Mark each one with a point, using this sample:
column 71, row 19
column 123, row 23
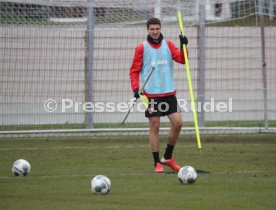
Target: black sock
column 169, row 151
column 156, row 157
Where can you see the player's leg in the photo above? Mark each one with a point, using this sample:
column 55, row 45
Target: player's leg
column 154, row 126
column 175, row 118
column 176, row 125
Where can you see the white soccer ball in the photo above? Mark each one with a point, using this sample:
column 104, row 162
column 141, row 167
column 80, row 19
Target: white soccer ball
column 21, row 167
column 100, row 184
column 187, row 175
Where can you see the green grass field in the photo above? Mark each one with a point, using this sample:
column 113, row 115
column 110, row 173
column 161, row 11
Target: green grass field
column 242, row 174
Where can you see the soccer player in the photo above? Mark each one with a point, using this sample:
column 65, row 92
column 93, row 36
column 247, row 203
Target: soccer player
column 160, row 53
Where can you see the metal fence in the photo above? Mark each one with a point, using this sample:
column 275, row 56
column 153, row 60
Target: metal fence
column 65, row 65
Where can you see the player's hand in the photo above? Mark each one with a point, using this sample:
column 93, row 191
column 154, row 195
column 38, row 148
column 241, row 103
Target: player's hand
column 136, row 93
column 183, row 40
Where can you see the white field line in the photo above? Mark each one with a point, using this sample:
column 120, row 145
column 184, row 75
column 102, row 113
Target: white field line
column 131, row 146
column 91, row 147
column 128, row 174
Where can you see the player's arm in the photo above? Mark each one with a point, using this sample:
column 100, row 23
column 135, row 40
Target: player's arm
column 178, row 54
column 137, row 62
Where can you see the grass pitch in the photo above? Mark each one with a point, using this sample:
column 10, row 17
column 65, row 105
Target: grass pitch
column 242, row 174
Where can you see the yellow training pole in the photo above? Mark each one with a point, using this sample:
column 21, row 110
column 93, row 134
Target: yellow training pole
column 190, row 83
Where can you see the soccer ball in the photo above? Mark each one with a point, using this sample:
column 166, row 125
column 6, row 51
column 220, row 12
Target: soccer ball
column 21, row 167
column 187, row 175
column 100, row 184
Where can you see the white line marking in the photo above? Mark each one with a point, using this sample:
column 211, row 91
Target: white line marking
column 130, row 146
column 92, row 147
column 127, row 174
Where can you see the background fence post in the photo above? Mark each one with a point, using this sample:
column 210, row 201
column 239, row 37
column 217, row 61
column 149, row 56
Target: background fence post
column 89, row 75
column 201, row 64
column 264, row 74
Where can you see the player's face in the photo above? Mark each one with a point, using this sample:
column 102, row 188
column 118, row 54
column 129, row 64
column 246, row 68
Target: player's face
column 154, row 31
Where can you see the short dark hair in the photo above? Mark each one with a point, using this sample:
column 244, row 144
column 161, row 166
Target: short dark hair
column 152, row 21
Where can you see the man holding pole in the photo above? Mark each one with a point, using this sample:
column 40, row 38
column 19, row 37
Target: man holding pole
column 159, row 53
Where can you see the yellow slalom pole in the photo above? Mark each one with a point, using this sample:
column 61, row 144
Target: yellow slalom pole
column 190, row 83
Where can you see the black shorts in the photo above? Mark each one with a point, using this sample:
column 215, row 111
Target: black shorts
column 162, row 106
